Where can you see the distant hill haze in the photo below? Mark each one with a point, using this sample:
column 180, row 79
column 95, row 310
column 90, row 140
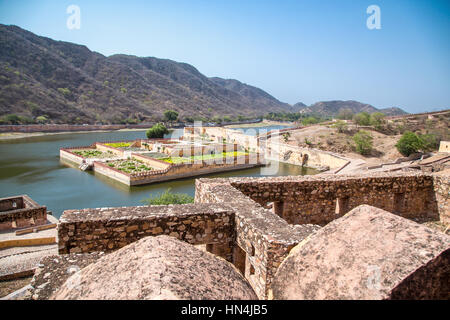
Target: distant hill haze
column 68, row 82
column 332, row 108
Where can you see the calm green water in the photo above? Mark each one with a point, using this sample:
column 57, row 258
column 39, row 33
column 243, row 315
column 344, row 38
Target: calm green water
column 31, row 166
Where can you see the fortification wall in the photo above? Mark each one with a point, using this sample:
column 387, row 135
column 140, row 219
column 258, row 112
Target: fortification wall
column 27, row 214
column 442, row 194
column 321, row 199
column 263, row 239
column 231, row 219
column 108, row 229
column 294, row 155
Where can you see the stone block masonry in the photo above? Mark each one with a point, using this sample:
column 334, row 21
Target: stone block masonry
column 108, row 229
column 21, row 212
column 232, row 216
column 321, row 199
column 367, row 254
column 442, row 192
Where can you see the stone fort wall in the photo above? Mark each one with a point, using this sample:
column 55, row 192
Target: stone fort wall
column 321, row 199
column 231, row 218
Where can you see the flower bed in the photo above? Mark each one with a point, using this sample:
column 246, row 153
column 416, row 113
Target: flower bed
column 130, row 166
column 92, row 153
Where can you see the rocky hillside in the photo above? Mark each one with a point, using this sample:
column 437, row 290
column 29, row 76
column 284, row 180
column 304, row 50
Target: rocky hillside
column 332, row 108
column 68, row 83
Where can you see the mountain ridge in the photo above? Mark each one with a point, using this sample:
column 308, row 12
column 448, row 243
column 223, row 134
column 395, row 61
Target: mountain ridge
column 333, row 107
column 70, row 83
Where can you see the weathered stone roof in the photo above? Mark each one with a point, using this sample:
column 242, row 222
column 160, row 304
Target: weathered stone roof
column 157, row 268
column 53, row 271
column 367, row 254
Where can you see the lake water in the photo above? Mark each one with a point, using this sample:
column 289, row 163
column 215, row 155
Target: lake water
column 31, row 166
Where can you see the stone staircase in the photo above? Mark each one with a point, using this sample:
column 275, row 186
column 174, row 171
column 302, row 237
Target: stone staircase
column 85, row 166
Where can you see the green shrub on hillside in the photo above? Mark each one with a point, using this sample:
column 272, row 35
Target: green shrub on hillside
column 377, row 119
column 64, row 91
column 430, row 142
column 41, row 119
column 363, row 141
column 169, row 198
column 409, row 143
column 309, row 120
column 362, row 119
column 170, row 115
column 341, row 126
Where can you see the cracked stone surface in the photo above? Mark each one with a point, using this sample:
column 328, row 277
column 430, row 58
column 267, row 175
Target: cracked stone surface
column 159, row 267
column 367, row 254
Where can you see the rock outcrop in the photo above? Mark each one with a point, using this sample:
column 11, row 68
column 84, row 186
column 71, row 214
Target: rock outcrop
column 157, row 268
column 367, row 254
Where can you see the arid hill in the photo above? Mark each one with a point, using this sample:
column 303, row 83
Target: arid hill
column 332, row 108
column 69, row 83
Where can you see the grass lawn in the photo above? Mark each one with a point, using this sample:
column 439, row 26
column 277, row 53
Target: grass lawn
column 118, row 144
column 190, row 159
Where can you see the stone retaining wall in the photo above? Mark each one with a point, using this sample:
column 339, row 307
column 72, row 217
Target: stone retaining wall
column 175, row 171
column 295, row 155
column 67, row 155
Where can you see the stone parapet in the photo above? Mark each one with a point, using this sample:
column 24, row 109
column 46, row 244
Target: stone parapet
column 107, row 229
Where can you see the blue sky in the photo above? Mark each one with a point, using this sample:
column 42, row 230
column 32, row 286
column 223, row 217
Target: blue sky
column 304, row 51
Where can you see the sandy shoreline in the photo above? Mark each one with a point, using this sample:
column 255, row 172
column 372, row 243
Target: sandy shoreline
column 5, row 136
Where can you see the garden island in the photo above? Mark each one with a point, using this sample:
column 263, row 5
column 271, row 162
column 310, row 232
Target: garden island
column 145, row 161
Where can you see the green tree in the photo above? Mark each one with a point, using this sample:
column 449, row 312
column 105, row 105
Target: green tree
column 189, row 119
column 309, row 120
column 430, row 142
column 409, row 143
column 11, row 119
column 170, row 115
column 362, row 119
column 377, row 119
column 169, row 198
column 157, row 131
column 345, row 114
column 41, row 119
column 226, row 119
column 363, row 141
column 64, row 91
column 341, row 126
column 217, row 119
